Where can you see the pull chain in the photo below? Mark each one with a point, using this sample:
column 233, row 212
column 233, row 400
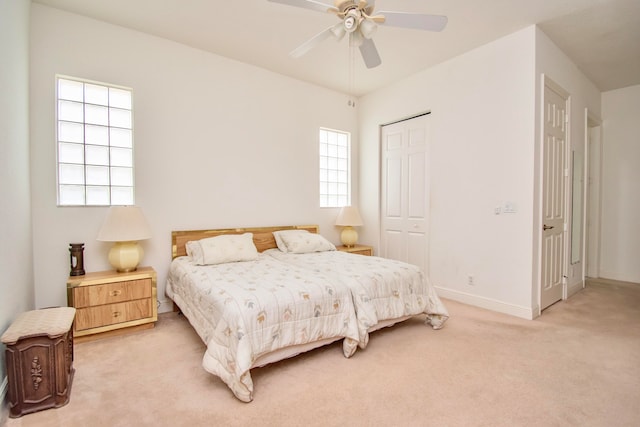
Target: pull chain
column 351, row 102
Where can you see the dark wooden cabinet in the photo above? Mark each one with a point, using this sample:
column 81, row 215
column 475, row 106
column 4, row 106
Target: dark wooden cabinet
column 39, row 359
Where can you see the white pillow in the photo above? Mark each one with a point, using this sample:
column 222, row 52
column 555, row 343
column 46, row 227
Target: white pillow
column 221, row 249
column 301, row 242
column 281, row 235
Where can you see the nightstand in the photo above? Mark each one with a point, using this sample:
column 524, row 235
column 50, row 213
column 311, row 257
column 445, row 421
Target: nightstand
column 110, row 303
column 357, row 249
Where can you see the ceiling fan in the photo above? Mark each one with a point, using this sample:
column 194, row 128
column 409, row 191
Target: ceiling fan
column 357, row 20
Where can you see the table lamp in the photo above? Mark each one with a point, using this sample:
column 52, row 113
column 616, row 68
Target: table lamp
column 349, row 217
column 125, row 225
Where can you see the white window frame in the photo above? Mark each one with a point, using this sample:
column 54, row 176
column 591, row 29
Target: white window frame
column 335, row 168
column 94, row 170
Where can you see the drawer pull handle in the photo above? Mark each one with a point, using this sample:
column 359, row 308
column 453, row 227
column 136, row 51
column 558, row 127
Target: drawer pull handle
column 116, row 293
column 116, row 314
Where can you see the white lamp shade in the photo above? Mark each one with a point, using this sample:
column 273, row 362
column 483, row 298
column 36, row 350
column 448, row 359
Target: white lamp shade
column 124, row 224
column 349, row 215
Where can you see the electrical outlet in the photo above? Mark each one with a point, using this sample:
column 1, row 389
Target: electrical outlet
column 470, row 281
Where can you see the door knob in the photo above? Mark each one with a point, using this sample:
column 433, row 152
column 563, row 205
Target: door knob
column 547, row 227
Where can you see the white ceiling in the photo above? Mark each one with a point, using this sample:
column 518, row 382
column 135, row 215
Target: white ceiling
column 601, row 36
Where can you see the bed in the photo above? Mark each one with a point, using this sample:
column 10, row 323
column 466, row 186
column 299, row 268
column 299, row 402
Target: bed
column 384, row 291
column 254, row 309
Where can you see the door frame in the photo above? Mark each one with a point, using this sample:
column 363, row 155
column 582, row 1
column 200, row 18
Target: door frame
column 593, row 195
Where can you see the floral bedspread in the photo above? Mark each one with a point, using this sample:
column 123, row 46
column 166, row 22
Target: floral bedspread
column 244, row 310
column 382, row 289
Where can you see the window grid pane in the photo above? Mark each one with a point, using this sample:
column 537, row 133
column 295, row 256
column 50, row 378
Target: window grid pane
column 72, row 195
column 71, row 153
column 335, row 173
column 70, row 132
column 95, row 144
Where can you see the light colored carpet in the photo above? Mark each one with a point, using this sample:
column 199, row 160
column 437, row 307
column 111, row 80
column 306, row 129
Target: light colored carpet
column 576, row 365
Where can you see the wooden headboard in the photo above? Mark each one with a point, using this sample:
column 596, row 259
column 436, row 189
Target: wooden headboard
column 262, row 236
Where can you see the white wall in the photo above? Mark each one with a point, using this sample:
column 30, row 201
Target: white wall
column 218, row 143
column 482, row 155
column 16, row 262
column 485, row 151
column 554, row 64
column 620, row 231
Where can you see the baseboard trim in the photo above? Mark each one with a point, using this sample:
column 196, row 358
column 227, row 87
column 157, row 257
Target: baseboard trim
column 574, row 289
column 165, row 306
column 606, row 281
column 4, row 405
column 614, row 278
column 489, row 304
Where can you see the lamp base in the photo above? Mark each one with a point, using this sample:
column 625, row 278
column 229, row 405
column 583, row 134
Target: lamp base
column 349, row 236
column 125, row 256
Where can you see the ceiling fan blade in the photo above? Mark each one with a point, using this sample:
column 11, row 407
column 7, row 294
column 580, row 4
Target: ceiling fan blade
column 311, row 43
column 371, row 7
column 318, row 6
column 416, row 21
column 370, row 53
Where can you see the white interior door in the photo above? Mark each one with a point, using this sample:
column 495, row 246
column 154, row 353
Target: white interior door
column 554, row 203
column 405, row 191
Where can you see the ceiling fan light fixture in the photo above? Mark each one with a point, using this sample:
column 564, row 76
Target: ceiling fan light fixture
column 368, row 28
column 357, row 19
column 338, row 31
column 356, row 39
column 350, row 24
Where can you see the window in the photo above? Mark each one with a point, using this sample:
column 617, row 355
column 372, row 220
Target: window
column 335, row 170
column 95, row 143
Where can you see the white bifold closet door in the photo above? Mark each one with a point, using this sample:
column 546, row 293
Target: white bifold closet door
column 405, row 191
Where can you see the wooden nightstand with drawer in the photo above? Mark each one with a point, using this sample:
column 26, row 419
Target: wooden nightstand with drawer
column 110, row 303
column 357, row 249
